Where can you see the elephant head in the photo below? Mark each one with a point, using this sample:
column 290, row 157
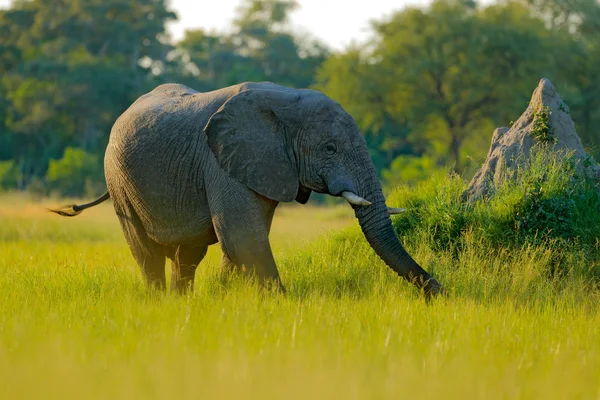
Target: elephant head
column 285, row 143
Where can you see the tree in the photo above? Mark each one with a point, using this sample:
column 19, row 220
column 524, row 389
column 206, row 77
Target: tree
column 577, row 27
column 75, row 173
column 272, row 52
column 260, row 47
column 448, row 71
column 68, row 68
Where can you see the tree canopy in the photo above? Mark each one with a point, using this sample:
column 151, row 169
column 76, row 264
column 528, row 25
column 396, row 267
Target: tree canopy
column 438, row 80
column 68, row 68
column 427, row 89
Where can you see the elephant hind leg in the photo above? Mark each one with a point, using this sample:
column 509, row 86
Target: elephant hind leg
column 149, row 255
column 153, row 269
column 184, row 266
column 227, row 266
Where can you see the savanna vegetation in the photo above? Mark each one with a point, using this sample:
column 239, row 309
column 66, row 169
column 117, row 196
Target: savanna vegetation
column 522, row 268
column 520, row 320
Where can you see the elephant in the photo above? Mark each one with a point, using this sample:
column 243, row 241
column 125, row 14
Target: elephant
column 187, row 169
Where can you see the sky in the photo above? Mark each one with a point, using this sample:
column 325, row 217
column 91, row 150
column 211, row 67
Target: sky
column 335, row 22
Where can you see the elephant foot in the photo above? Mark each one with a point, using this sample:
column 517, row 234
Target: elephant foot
column 181, row 286
column 273, row 285
column 232, row 272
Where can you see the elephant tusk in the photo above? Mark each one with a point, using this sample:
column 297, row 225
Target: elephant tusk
column 394, row 211
column 355, row 199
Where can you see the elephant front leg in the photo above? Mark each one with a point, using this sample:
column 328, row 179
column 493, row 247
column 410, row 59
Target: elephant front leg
column 242, row 223
column 255, row 266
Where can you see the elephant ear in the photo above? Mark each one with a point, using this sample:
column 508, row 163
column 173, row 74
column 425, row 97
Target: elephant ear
column 248, row 139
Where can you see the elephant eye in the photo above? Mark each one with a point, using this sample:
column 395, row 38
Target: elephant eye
column 330, row 148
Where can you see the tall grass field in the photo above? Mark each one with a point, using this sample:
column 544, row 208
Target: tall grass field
column 521, row 320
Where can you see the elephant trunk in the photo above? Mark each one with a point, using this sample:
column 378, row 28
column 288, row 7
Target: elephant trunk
column 377, row 227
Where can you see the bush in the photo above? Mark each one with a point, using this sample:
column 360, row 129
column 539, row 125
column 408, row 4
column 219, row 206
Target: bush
column 76, row 174
column 549, row 205
column 9, row 175
column 410, row 169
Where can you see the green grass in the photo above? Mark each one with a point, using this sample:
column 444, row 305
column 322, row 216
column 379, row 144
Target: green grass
column 77, row 322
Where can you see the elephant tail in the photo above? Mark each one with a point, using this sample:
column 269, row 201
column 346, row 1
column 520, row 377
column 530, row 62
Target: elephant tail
column 73, row 209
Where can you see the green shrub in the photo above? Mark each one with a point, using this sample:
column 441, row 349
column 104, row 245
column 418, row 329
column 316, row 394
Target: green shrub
column 549, row 206
column 410, row 169
column 548, row 200
column 553, row 201
column 76, row 174
column 9, row 175
column 541, row 130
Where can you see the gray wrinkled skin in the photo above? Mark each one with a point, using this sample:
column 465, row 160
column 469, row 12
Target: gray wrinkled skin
column 186, row 170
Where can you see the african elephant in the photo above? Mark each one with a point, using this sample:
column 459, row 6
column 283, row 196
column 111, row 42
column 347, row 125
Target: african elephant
column 187, row 169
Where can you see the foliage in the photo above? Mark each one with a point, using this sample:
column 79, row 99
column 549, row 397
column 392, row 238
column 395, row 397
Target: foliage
column 9, row 175
column 549, row 204
column 69, row 68
column 541, row 129
column 557, row 201
column 577, row 24
column 432, row 82
column 436, row 72
column 74, row 173
column 410, row 169
column 261, row 46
